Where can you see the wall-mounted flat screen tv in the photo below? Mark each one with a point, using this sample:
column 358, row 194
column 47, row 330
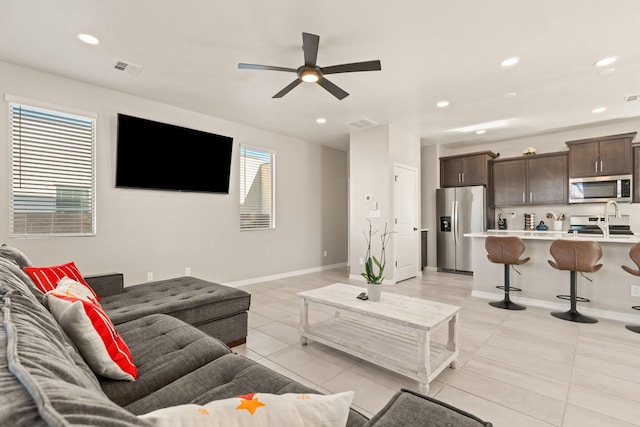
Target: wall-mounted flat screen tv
column 160, row 156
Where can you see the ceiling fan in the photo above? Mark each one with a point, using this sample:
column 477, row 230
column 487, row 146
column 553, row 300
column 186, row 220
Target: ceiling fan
column 310, row 72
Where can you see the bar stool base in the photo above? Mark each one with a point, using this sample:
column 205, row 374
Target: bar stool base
column 634, row 328
column 573, row 316
column 507, row 305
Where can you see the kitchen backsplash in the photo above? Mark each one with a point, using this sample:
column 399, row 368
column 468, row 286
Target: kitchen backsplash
column 516, row 221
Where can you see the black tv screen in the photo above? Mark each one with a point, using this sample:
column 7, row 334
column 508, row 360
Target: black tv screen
column 160, row 156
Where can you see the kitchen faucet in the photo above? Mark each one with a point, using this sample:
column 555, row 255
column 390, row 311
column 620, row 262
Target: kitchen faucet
column 605, row 226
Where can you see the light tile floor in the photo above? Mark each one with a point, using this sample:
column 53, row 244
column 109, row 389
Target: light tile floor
column 516, row 368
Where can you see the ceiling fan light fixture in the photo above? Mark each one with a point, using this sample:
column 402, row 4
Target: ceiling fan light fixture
column 310, row 72
column 309, row 76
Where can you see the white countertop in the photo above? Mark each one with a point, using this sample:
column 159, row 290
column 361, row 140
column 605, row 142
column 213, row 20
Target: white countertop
column 554, row 235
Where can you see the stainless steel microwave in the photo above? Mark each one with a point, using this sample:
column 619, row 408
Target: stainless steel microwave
column 601, row 189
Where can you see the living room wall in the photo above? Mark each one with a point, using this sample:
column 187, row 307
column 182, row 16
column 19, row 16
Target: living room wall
column 140, row 231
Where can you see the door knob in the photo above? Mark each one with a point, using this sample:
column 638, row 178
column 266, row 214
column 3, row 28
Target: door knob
column 415, row 228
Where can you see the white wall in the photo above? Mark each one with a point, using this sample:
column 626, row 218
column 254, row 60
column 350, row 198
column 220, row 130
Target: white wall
column 373, row 153
column 545, row 143
column 164, row 232
column 369, row 175
column 430, row 180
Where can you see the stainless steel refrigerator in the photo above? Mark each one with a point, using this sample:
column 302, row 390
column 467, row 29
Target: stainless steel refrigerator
column 459, row 210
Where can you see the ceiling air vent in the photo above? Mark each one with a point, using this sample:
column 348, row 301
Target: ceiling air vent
column 132, row 69
column 362, row 123
column 631, row 98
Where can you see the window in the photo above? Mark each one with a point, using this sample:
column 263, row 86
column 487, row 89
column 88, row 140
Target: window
column 256, row 188
column 52, row 173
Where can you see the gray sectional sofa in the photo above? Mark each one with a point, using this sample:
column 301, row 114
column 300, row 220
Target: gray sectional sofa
column 45, row 381
column 219, row 311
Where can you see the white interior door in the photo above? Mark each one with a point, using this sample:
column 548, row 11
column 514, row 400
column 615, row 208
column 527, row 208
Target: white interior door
column 407, row 233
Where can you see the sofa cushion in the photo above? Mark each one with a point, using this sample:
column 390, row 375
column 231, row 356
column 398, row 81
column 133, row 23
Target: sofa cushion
column 12, row 270
column 407, row 408
column 75, row 308
column 44, row 380
column 259, row 410
column 190, row 299
column 15, row 281
column 15, row 255
column 225, row 377
column 164, row 349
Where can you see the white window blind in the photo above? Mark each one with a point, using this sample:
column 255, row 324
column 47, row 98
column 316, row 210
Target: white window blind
column 256, row 188
column 52, row 173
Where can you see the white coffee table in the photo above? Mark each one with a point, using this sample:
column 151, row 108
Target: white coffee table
column 395, row 333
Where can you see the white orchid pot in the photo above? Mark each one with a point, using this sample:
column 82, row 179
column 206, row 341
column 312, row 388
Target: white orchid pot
column 374, row 292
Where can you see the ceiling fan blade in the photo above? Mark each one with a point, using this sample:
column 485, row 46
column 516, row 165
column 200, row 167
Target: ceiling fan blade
column 310, row 44
column 265, row 67
column 353, row 67
column 287, row 89
column 332, row 89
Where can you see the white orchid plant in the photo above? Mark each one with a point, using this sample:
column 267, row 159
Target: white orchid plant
column 374, row 267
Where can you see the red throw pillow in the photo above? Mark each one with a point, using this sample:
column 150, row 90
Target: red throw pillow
column 91, row 330
column 46, row 278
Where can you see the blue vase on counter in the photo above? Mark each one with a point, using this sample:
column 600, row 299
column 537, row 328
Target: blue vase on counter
column 542, row 226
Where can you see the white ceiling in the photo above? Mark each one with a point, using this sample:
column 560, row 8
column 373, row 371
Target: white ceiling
column 430, row 50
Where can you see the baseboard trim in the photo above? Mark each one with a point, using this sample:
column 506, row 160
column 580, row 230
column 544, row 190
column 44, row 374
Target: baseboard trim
column 596, row 312
column 253, row 280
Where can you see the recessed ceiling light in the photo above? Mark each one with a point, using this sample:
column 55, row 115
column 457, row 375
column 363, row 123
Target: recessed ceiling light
column 510, row 61
column 88, row 38
column 321, row 120
column 483, row 126
column 606, row 61
column 481, row 131
column 442, row 104
column 598, row 110
column 510, row 95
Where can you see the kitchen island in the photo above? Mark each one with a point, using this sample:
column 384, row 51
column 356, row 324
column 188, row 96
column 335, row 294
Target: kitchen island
column 610, row 291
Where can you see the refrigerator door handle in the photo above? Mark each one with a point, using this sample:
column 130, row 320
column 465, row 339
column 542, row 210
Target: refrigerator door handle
column 454, row 221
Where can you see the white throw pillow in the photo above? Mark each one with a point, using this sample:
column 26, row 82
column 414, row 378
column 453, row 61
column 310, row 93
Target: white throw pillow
column 76, row 310
column 259, row 410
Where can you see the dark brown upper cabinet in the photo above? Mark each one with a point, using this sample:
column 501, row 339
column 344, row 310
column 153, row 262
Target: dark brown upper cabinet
column 531, row 180
column 464, row 170
column 602, row 156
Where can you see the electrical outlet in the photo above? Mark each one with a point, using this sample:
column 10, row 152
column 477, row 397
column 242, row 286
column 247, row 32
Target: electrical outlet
column 325, row 253
column 361, row 261
column 187, row 271
column 149, row 276
column 635, row 290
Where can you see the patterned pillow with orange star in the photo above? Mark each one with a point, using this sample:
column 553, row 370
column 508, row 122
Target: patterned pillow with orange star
column 259, row 410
